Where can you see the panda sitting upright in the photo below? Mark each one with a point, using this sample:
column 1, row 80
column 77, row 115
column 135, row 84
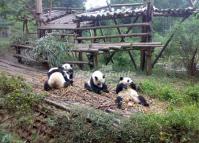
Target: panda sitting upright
column 126, row 90
column 96, row 83
column 59, row 77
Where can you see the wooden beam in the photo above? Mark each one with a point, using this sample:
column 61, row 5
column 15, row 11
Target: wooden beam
column 114, row 36
column 115, row 26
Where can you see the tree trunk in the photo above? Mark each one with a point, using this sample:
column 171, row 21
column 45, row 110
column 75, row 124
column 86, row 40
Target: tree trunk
column 191, row 66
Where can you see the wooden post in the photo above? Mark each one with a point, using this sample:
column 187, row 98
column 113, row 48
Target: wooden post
column 39, row 11
column 18, row 52
column 95, row 59
column 148, row 62
column 149, row 38
column 142, row 52
column 79, row 34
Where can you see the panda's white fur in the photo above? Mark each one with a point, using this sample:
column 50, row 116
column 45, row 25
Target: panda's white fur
column 56, row 80
column 96, row 82
column 59, row 77
column 126, row 90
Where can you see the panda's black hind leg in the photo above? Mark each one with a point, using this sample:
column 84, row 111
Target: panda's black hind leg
column 46, row 86
column 143, row 101
column 119, row 101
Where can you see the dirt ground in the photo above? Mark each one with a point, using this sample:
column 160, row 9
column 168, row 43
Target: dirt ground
column 76, row 94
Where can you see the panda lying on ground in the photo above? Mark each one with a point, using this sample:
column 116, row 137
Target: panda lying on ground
column 126, row 91
column 96, row 83
column 59, row 77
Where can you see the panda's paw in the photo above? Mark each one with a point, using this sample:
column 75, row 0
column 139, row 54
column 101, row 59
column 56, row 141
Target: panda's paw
column 66, row 84
column 98, row 92
column 71, row 82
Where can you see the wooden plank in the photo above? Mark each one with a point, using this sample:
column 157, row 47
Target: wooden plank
column 115, row 5
column 22, row 46
column 114, row 36
column 85, row 50
column 58, row 26
column 115, row 26
column 77, row 62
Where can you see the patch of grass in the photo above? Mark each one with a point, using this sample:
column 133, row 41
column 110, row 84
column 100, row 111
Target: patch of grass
column 169, row 92
column 176, row 126
column 159, row 90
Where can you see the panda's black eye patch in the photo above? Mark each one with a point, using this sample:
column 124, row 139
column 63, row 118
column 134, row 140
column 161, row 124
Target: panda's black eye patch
column 128, row 80
column 103, row 76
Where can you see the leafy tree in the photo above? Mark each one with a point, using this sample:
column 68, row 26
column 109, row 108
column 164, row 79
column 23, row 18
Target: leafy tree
column 186, row 41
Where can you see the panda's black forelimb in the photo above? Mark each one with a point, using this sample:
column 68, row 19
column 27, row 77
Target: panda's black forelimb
column 105, row 88
column 46, row 86
column 143, row 101
column 120, row 87
column 92, row 88
column 86, row 86
column 119, row 101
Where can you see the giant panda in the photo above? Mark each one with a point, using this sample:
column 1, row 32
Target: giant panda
column 126, row 91
column 59, row 77
column 96, row 83
column 65, row 69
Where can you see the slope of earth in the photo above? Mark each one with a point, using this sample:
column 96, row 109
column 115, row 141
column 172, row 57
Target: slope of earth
column 76, row 95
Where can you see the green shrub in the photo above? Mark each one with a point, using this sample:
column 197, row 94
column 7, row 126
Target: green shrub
column 9, row 85
column 52, row 49
column 17, row 95
column 23, row 39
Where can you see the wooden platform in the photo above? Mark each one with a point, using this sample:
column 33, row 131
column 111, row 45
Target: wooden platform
column 107, row 49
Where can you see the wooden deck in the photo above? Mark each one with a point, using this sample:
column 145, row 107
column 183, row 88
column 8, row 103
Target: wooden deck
column 107, row 49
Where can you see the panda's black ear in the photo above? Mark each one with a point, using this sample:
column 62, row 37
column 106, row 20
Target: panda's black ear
column 96, row 78
column 121, row 78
